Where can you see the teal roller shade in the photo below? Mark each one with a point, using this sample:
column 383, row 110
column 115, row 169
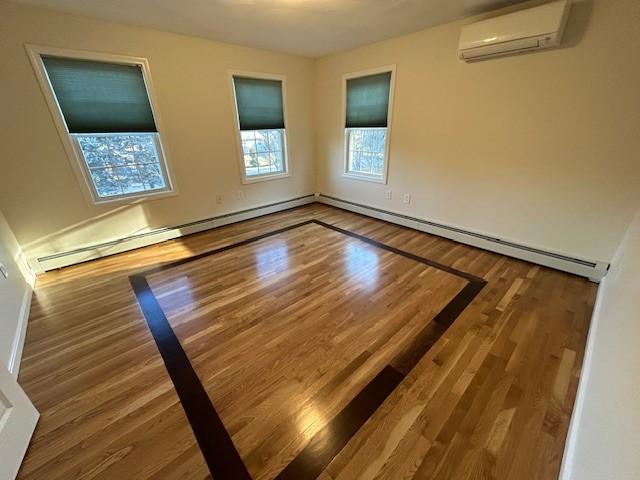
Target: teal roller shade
column 98, row 97
column 259, row 103
column 368, row 101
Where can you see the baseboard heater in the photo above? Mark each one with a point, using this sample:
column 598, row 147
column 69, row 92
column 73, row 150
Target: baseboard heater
column 594, row 270
column 92, row 252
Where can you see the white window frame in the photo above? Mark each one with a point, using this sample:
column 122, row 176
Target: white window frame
column 71, row 144
column 345, row 168
column 285, row 141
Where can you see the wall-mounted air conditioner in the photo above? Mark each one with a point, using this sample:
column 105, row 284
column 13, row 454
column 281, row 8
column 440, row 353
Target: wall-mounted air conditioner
column 527, row 30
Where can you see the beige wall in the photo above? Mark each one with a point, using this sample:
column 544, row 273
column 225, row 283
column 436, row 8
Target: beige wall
column 542, row 149
column 604, row 438
column 15, row 293
column 40, row 195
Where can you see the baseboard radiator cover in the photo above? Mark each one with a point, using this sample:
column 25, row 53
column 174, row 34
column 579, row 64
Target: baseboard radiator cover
column 592, row 269
column 92, row 252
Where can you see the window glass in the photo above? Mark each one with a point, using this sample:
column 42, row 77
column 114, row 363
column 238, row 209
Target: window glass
column 366, row 150
column 263, row 151
column 122, row 164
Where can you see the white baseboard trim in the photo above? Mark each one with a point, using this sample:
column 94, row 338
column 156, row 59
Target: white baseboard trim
column 592, row 269
column 92, row 252
column 21, row 332
column 566, row 467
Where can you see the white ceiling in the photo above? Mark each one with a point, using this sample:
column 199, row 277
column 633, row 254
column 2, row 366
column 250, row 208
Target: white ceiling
column 306, row 27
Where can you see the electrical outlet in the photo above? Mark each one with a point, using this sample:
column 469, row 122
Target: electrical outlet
column 218, row 199
column 239, row 194
column 406, row 198
column 3, row 271
column 387, row 194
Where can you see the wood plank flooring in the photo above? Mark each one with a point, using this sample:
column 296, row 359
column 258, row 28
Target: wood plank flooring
column 283, row 333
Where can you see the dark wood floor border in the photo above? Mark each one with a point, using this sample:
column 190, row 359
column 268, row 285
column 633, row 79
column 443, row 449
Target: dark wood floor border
column 241, row 243
column 211, row 435
column 432, row 331
column 328, row 442
column 397, row 251
column 417, row 258
column 217, row 447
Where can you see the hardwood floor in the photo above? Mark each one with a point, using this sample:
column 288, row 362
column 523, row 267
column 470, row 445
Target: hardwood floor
column 285, row 333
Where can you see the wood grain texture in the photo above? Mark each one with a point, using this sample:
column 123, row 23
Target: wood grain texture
column 491, row 398
column 388, row 303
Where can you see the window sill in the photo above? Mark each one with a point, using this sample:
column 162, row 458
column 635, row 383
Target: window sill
column 135, row 198
column 365, row 178
column 264, row 178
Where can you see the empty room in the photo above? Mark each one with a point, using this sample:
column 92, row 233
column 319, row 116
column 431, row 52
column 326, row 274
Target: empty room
column 320, row 239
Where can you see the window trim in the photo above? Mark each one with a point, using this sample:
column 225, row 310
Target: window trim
column 345, row 154
column 240, row 152
column 70, row 144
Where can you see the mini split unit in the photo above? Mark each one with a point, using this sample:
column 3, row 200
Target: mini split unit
column 524, row 31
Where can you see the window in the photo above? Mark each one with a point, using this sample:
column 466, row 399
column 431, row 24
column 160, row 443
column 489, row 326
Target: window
column 105, row 111
column 261, row 125
column 367, row 114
